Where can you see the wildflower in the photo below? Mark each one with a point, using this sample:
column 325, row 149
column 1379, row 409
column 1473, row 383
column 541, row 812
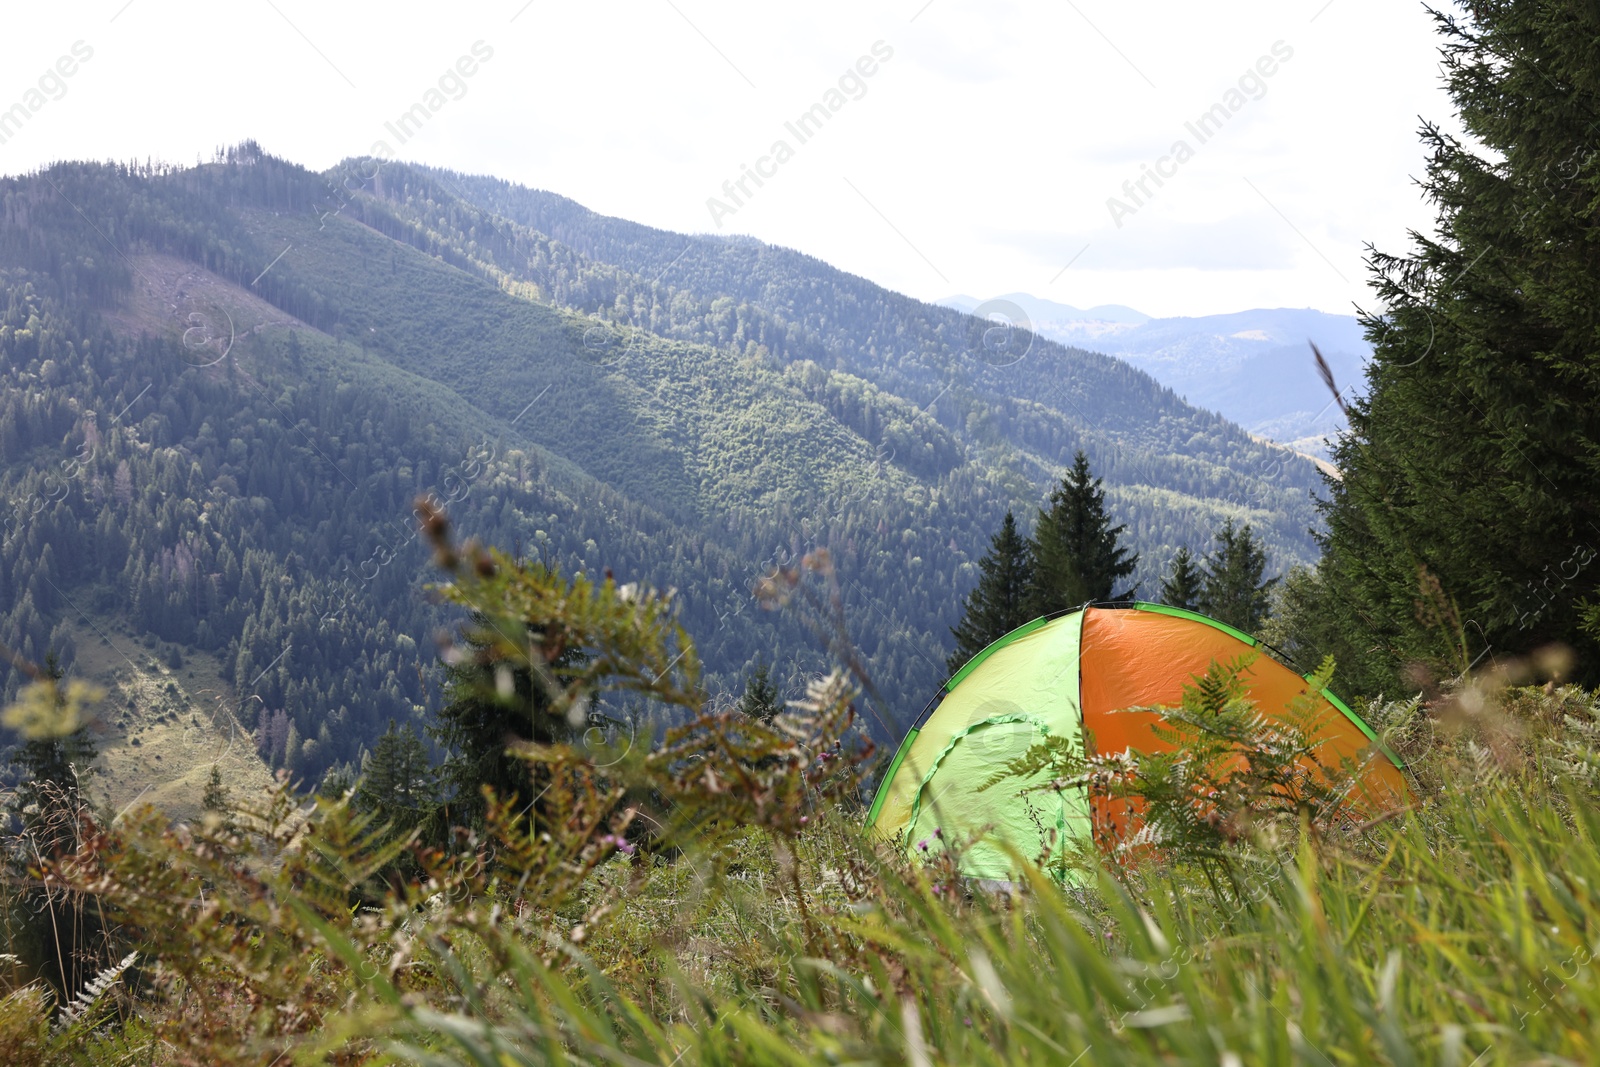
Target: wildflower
column 621, row 844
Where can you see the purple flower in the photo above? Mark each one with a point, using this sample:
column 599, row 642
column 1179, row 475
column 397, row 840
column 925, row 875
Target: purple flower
column 621, row 844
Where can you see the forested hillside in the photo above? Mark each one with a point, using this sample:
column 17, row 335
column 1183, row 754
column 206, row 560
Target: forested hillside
column 1021, row 395
column 224, row 387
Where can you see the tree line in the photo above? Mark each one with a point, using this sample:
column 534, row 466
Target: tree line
column 1074, row 557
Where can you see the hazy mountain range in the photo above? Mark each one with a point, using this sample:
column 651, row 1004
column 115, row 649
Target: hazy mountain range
column 1254, row 367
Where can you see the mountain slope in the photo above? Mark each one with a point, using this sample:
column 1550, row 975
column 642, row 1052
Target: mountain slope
column 1028, row 398
column 223, row 386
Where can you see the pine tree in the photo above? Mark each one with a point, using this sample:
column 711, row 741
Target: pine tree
column 761, row 699
column 1000, row 602
column 215, row 797
column 1466, row 517
column 1231, row 586
column 1076, row 556
column 489, row 709
column 1183, row 586
column 398, row 781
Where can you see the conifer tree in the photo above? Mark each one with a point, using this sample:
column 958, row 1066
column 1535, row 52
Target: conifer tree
column 398, row 781
column 217, row 800
column 1182, row 587
column 338, row 781
column 215, row 797
column 1000, row 601
column 1466, row 518
column 490, row 708
column 761, row 700
column 1076, row 557
column 1231, row 585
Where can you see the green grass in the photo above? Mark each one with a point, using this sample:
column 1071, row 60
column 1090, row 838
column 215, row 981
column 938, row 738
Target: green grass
column 1460, row 935
column 1461, row 931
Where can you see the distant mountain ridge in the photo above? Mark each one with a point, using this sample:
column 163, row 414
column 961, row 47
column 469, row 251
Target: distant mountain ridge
column 1047, row 314
column 1254, row 367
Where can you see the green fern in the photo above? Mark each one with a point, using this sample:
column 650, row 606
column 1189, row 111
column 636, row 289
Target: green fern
column 82, row 1010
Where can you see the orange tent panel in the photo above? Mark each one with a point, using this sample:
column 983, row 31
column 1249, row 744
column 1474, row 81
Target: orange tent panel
column 1137, row 659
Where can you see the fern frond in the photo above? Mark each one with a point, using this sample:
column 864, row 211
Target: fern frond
column 1485, row 769
column 1576, row 755
column 81, row 1007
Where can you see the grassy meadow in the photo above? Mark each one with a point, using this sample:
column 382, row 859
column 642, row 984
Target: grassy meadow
column 754, row 923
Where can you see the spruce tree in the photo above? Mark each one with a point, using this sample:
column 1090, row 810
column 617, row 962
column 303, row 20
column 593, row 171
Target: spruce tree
column 1231, row 585
column 398, row 781
column 489, row 708
column 761, row 700
column 1076, row 557
column 217, row 801
column 1466, row 519
column 215, row 797
column 1182, row 587
column 1000, row 602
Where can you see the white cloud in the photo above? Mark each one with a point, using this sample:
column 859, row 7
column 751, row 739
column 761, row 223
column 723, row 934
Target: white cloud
column 995, row 134
column 1238, row 243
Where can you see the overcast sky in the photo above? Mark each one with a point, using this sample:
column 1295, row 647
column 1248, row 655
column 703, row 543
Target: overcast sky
column 977, row 158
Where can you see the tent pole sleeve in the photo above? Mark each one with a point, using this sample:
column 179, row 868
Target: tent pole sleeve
column 994, row 646
column 888, row 776
column 1195, row 616
column 1361, row 724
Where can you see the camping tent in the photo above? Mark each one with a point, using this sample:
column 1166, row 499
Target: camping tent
column 1075, row 675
